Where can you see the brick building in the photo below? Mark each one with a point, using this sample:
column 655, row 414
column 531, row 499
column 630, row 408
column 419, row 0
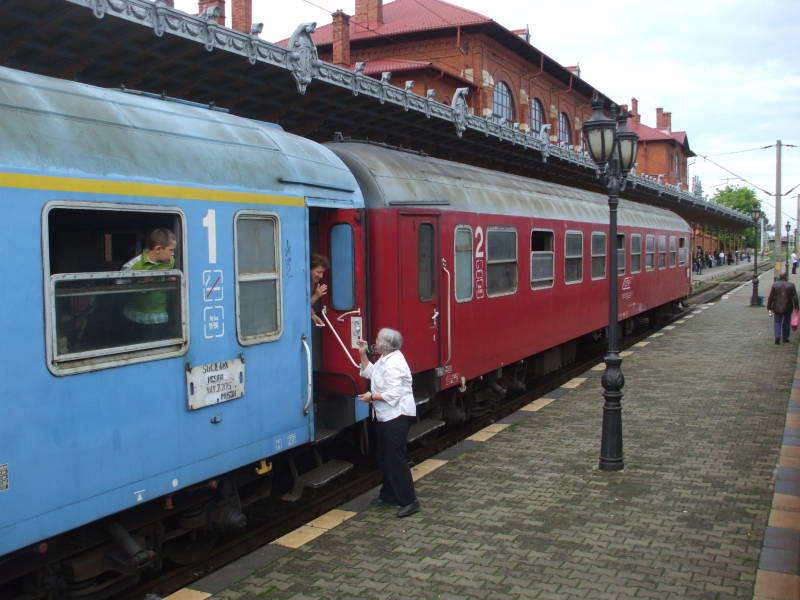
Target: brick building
column 662, row 152
column 435, row 45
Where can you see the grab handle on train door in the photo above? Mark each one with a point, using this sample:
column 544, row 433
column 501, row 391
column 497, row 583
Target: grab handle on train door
column 449, row 336
column 309, row 373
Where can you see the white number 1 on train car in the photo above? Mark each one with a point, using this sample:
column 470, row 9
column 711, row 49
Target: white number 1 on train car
column 210, row 223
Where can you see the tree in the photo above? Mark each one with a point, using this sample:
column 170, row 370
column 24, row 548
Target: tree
column 743, row 199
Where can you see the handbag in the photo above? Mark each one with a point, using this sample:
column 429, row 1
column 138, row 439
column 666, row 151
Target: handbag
column 795, row 319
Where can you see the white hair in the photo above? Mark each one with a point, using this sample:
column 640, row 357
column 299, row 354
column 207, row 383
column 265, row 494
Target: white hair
column 388, row 340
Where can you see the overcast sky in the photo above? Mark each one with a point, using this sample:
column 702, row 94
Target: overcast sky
column 728, row 70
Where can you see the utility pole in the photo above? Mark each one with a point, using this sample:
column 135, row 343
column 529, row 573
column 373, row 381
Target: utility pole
column 778, row 219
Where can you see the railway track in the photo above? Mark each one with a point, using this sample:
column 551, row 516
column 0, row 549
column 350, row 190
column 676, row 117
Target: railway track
column 279, row 518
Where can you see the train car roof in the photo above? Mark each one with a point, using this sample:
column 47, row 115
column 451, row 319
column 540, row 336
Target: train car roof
column 61, row 127
column 395, row 178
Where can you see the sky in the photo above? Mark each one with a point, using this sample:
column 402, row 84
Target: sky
column 727, row 70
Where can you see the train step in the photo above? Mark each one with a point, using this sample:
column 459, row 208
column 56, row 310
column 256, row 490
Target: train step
column 322, row 474
column 323, row 435
column 423, row 427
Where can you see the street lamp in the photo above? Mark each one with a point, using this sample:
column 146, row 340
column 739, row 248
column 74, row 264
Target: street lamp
column 754, row 299
column 612, row 146
column 788, row 227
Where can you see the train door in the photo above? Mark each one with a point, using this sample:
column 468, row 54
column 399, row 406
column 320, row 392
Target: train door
column 420, row 310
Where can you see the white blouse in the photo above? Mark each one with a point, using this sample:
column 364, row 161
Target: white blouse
column 391, row 378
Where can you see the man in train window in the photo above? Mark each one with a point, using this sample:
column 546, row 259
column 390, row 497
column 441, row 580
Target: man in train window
column 147, row 311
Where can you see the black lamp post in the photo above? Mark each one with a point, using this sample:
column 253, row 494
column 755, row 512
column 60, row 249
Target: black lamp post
column 754, row 299
column 788, row 227
column 612, row 146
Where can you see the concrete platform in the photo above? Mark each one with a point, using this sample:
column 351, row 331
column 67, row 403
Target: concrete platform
column 708, row 505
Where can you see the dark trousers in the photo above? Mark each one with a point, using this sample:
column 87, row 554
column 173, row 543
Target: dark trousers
column 782, row 325
column 398, row 486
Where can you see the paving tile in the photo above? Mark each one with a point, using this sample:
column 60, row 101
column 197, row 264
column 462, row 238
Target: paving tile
column 188, row 594
column 777, row 586
column 426, row 467
column 538, row 404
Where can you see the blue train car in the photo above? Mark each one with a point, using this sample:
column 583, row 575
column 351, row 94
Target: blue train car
column 103, row 412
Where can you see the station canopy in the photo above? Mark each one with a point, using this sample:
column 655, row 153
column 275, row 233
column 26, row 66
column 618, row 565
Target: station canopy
column 148, row 46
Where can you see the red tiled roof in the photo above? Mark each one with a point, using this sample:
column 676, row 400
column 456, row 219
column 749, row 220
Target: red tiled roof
column 406, row 16
column 649, row 134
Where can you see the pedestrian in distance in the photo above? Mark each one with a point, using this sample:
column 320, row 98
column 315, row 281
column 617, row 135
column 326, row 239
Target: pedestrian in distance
column 794, row 262
column 392, row 399
column 782, row 301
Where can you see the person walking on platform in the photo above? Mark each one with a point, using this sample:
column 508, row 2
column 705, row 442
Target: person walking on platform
column 393, row 400
column 782, row 301
column 794, row 262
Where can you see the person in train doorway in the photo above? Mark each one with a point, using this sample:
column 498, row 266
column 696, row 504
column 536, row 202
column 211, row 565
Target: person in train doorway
column 392, row 399
column 781, row 302
column 319, row 264
column 147, row 312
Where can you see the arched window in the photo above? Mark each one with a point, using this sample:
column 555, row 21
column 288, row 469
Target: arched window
column 502, row 105
column 564, row 132
column 537, row 116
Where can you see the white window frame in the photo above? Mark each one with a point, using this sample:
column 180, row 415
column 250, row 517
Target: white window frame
column 566, row 257
column 552, row 254
column 105, row 358
column 471, row 263
column 621, row 264
column 277, row 276
column 639, row 237
column 502, row 228
column 683, row 251
column 604, row 255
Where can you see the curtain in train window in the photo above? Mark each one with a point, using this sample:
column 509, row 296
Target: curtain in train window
column 573, row 257
column 636, row 253
column 650, row 252
column 257, row 278
column 542, row 258
column 425, row 255
column 501, row 261
column 463, row 270
column 343, row 290
column 114, row 288
column 598, row 255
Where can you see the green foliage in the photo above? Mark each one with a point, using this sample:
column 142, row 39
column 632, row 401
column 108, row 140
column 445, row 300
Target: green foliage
column 743, row 199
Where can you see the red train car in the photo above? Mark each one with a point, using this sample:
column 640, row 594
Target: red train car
column 491, row 277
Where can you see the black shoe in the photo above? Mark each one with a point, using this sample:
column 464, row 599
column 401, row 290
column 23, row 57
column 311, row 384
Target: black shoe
column 785, row 341
column 408, row 509
column 777, row 340
column 378, row 501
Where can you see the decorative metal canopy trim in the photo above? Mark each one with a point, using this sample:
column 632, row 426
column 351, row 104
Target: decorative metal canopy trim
column 302, row 60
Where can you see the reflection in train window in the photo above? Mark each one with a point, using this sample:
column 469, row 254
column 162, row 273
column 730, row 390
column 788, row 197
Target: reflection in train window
column 542, row 259
column 673, row 250
column 620, row 254
column 650, row 252
column 636, row 253
column 258, row 289
column 662, row 252
column 463, row 268
column 425, row 256
column 683, row 251
column 114, row 292
column 501, row 261
column 598, row 255
column 573, row 257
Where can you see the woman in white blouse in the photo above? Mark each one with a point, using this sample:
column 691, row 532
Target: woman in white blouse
column 393, row 400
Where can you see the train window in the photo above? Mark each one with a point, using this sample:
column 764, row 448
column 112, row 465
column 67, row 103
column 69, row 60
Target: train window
column 650, row 252
column 683, row 251
column 542, row 259
column 116, row 292
column 573, row 257
column 662, row 252
column 598, row 255
column 258, row 281
column 463, row 258
column 501, row 261
column 425, row 252
column 620, row 254
column 342, row 253
column 673, row 250
column 636, row 253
